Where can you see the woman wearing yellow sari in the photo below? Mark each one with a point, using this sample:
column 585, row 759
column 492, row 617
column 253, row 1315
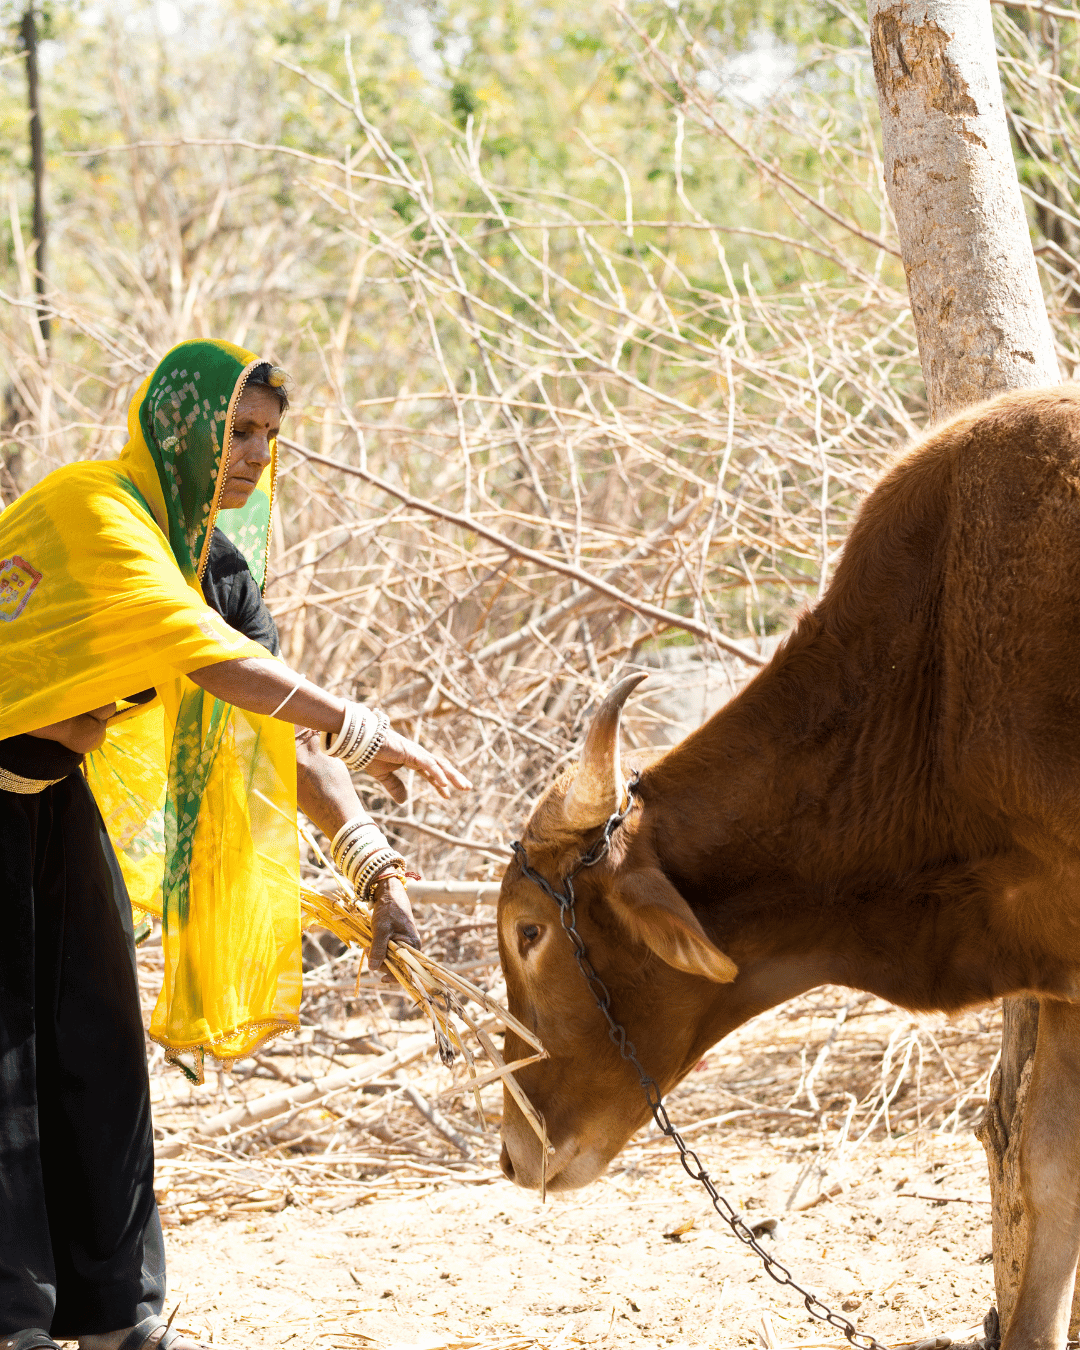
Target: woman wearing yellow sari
column 147, row 758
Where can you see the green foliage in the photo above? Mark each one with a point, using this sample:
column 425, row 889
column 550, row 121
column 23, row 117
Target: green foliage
column 464, row 102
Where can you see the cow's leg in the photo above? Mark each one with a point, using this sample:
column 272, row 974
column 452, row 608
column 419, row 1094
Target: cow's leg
column 1050, row 1181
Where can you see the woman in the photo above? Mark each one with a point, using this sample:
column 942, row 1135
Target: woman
column 134, row 635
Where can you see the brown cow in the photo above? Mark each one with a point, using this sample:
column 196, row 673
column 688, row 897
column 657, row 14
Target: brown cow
column 893, row 804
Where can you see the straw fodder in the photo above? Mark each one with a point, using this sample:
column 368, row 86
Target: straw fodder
column 461, row 1017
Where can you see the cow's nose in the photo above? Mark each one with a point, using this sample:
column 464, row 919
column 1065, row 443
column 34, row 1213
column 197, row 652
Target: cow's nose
column 506, row 1164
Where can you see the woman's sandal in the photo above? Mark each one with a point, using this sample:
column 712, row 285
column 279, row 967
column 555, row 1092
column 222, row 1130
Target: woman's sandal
column 29, row 1340
column 141, row 1334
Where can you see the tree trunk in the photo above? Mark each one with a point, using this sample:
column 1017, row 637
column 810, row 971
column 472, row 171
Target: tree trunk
column 28, row 29
column 975, row 297
column 982, row 328
column 999, row 1131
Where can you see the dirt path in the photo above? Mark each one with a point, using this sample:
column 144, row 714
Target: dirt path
column 841, row 1125
column 903, row 1249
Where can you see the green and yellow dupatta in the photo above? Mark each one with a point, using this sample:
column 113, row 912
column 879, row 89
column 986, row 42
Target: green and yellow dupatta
column 100, row 598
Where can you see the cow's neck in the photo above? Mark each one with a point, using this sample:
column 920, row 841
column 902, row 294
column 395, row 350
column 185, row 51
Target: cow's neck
column 818, row 841
column 815, row 768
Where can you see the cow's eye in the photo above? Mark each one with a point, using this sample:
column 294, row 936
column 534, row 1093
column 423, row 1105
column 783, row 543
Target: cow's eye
column 528, row 933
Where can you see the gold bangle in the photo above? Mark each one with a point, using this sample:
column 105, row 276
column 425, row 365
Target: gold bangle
column 15, row 782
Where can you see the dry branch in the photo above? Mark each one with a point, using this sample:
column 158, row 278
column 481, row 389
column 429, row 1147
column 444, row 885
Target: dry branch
column 276, row 1103
column 544, row 561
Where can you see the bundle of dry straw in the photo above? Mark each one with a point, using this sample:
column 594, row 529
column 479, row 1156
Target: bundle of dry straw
column 438, row 991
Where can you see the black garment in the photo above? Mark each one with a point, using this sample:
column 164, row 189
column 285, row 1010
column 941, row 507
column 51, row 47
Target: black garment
column 230, row 588
column 32, row 757
column 80, row 1239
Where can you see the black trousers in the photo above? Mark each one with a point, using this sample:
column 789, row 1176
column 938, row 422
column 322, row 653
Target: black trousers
column 80, row 1240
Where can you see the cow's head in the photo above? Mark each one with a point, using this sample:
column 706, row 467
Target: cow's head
column 642, row 939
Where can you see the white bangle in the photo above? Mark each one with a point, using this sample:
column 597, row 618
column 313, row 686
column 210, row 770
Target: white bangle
column 288, row 696
column 362, row 734
column 351, row 831
column 373, row 870
column 353, row 842
column 357, row 726
column 361, row 851
column 364, row 757
column 341, row 742
column 354, row 858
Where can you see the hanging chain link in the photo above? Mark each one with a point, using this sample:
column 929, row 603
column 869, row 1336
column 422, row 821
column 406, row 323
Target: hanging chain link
column 618, row 1037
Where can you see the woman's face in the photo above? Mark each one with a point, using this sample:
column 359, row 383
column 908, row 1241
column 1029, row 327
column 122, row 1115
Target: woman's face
column 256, row 423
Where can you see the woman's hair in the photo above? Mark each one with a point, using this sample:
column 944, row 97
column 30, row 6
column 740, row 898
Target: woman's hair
column 272, row 378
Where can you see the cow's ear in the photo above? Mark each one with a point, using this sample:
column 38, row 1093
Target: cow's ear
column 657, row 915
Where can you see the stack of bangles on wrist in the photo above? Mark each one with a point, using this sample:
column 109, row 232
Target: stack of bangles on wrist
column 360, row 738
column 363, row 854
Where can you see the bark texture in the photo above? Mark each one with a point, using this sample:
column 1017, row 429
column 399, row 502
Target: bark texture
column 999, row 1133
column 28, row 31
column 982, row 328
column 949, row 173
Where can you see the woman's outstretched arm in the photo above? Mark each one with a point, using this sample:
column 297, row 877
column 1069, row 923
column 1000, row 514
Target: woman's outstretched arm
column 259, row 686
column 325, row 794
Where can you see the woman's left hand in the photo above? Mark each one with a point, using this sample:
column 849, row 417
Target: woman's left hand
column 83, row 734
column 391, row 920
column 398, row 752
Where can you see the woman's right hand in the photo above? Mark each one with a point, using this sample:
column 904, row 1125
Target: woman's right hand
column 83, row 733
column 391, row 921
column 398, row 752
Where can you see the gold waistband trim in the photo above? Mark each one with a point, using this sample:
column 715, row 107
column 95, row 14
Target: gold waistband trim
column 15, row 782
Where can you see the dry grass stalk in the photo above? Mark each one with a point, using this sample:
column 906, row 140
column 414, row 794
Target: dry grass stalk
column 438, row 991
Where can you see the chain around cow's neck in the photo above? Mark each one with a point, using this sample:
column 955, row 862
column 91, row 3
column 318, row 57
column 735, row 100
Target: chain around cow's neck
column 618, row 1037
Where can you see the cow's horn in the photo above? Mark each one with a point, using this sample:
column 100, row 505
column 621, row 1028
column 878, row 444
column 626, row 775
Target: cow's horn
column 597, row 790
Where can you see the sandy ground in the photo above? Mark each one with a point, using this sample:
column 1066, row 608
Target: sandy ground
column 903, row 1250
column 840, row 1125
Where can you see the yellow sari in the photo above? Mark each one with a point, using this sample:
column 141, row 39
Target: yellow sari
column 100, row 599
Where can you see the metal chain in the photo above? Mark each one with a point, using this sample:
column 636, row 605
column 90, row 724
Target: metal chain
column 618, row 1037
